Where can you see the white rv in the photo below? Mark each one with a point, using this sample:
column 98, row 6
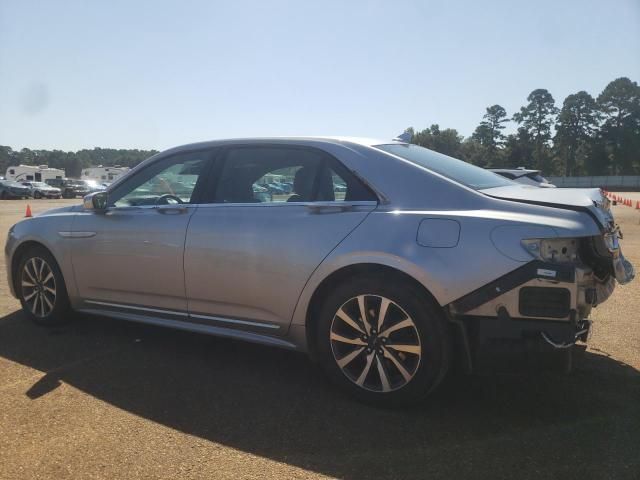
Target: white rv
column 102, row 174
column 33, row 173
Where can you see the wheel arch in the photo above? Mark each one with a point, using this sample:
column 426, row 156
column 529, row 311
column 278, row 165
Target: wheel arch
column 342, row 274
column 20, row 251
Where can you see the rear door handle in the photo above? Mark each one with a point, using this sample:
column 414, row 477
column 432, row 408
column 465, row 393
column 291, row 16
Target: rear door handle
column 171, row 209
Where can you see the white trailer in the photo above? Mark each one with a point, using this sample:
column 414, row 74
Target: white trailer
column 33, row 173
column 102, row 174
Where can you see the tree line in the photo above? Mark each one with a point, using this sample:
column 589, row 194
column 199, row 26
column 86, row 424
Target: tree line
column 586, row 136
column 72, row 162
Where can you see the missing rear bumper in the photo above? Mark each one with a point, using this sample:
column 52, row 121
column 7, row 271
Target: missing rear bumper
column 506, row 345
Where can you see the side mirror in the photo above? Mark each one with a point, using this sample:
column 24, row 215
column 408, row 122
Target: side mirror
column 96, row 201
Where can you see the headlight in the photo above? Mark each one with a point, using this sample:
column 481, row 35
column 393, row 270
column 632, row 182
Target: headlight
column 555, row 250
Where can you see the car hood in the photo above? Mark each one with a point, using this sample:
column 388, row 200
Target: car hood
column 588, row 200
column 61, row 210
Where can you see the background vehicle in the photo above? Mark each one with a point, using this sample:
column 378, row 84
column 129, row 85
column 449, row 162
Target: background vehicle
column 69, row 187
column 103, row 174
column 93, row 185
column 41, row 189
column 38, row 173
column 11, row 189
column 524, row 176
column 424, row 260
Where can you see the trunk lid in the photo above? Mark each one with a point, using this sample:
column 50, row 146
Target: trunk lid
column 588, row 200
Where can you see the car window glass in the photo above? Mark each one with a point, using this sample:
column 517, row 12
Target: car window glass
column 457, row 170
column 172, row 180
column 268, row 174
column 276, row 175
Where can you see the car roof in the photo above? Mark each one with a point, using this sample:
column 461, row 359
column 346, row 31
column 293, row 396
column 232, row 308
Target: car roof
column 364, row 141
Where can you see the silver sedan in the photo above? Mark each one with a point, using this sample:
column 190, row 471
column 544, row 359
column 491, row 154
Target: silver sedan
column 384, row 261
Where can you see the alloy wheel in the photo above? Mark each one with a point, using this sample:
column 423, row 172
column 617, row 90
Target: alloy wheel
column 38, row 287
column 375, row 343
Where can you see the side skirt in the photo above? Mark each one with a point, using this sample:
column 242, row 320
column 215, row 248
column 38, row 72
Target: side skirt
column 197, row 325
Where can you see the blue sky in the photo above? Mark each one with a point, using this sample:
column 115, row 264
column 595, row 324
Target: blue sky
column 153, row 74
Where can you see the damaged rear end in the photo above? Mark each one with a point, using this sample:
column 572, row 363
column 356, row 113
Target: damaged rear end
column 545, row 304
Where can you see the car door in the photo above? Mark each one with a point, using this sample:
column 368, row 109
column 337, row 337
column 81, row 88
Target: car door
column 275, row 212
column 131, row 256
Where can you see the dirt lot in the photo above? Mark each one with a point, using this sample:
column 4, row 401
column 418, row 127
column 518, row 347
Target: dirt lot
column 108, row 399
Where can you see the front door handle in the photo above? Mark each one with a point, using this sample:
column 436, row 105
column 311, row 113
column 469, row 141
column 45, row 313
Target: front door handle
column 171, row 209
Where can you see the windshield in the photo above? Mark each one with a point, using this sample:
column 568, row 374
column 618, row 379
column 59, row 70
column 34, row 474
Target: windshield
column 457, row 170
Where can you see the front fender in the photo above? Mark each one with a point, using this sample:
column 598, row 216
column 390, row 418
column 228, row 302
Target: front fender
column 44, row 230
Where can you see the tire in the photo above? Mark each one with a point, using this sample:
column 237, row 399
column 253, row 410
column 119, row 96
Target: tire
column 37, row 195
column 54, row 308
column 3, row 195
column 414, row 335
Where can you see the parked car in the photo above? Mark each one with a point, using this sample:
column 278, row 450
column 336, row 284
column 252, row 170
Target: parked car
column 70, row 188
column 261, row 194
column 11, row 189
column 524, row 176
column 93, row 185
column 426, row 260
column 42, row 190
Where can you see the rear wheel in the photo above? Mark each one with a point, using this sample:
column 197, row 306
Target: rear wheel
column 41, row 288
column 384, row 341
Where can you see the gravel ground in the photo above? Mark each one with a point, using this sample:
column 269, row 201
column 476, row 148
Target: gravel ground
column 108, row 399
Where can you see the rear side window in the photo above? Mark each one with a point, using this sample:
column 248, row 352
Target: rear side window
column 273, row 174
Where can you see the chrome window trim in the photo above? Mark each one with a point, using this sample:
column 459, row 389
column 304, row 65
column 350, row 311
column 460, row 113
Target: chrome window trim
column 131, row 208
column 361, row 203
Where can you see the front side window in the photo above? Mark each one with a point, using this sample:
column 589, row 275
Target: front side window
column 171, row 180
column 281, row 174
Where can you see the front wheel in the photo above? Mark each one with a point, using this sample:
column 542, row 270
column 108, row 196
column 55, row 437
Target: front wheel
column 382, row 340
column 41, row 288
column 37, row 195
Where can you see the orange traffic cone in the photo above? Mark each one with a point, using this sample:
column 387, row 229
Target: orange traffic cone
column 638, row 205
column 28, row 212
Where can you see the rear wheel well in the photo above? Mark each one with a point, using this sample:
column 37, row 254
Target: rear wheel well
column 342, row 275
